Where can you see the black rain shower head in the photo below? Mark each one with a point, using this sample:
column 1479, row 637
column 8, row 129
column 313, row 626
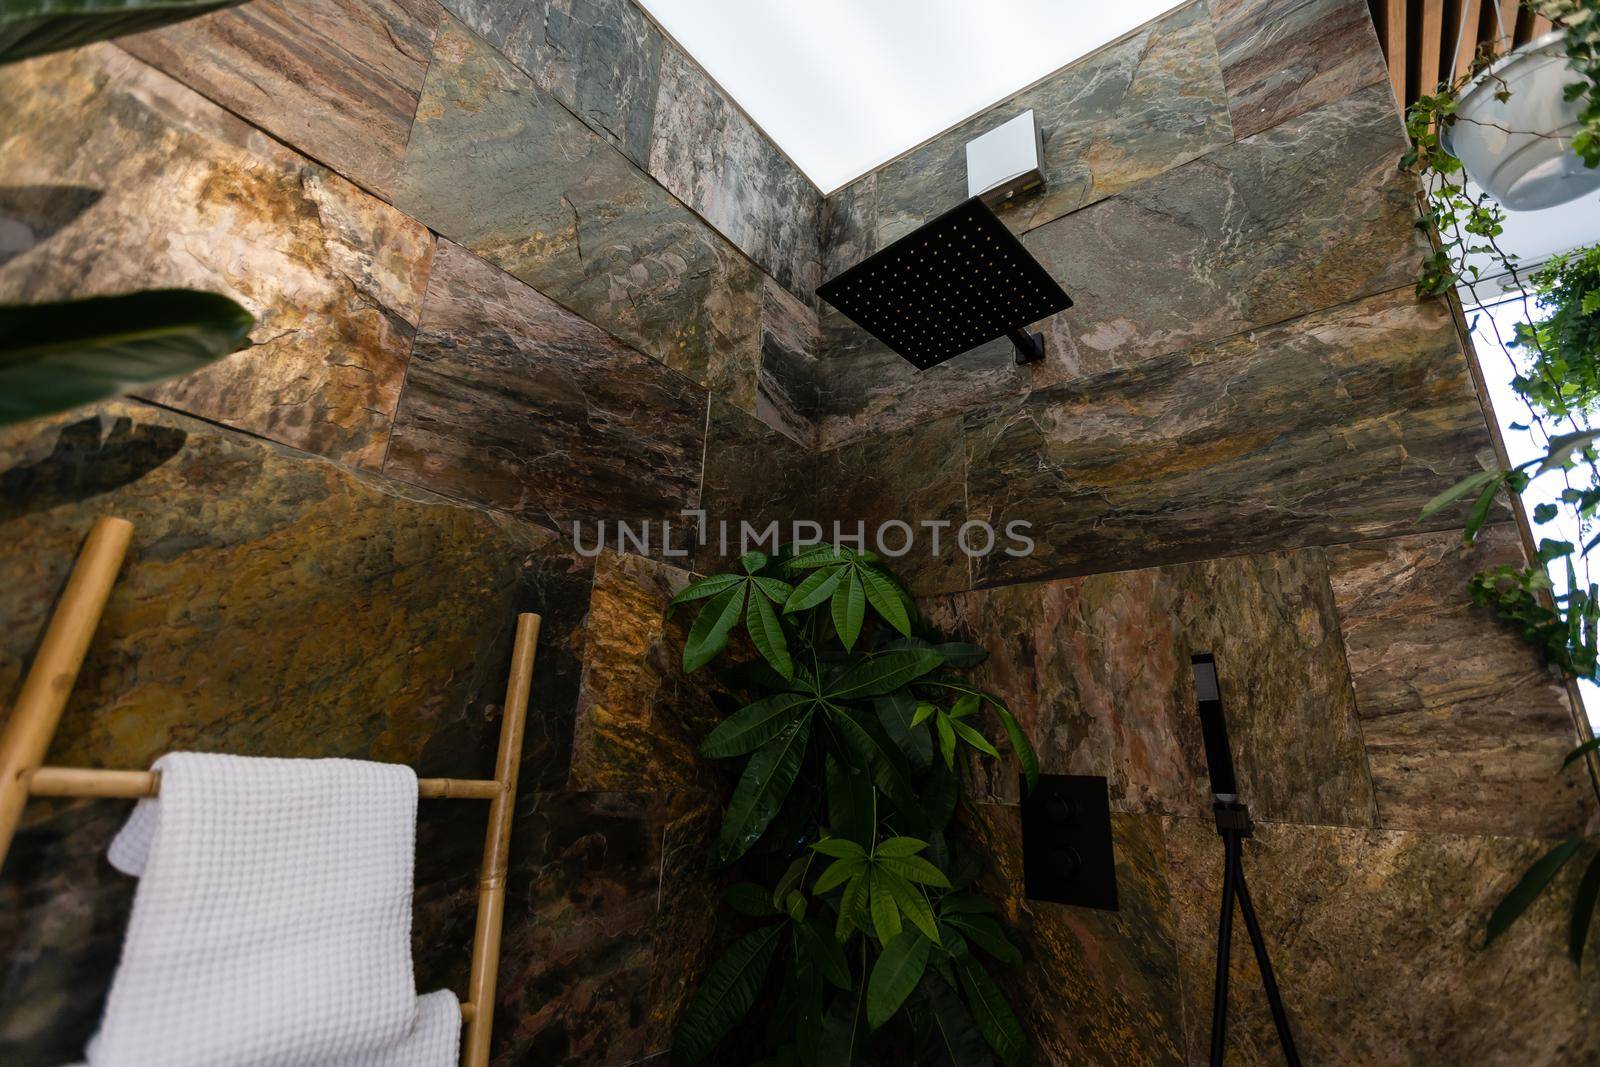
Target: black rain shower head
column 959, row 281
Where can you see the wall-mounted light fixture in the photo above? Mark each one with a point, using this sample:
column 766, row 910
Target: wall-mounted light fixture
column 1007, row 161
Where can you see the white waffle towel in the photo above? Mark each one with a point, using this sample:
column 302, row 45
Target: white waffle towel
column 272, row 922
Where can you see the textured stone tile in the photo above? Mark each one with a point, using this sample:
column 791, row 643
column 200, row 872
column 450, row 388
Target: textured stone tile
column 687, row 934
column 1464, row 726
column 713, row 158
column 600, row 58
column 336, row 79
column 271, row 604
column 1376, row 940
column 867, row 388
column 1309, row 214
column 1097, row 986
column 197, row 198
column 753, row 475
column 1126, row 113
column 516, row 402
column 849, row 225
column 499, row 166
column 1278, row 59
column 914, row 476
column 640, row 719
column 579, row 955
column 1097, row 670
column 1335, row 427
column 789, row 388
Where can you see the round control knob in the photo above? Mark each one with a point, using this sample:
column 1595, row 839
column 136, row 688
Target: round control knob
column 1059, row 809
column 1065, row 862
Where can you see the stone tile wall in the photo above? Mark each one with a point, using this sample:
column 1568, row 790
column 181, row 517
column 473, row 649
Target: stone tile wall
column 1226, row 449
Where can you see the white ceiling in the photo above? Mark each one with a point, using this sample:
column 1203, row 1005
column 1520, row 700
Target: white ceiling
column 846, row 85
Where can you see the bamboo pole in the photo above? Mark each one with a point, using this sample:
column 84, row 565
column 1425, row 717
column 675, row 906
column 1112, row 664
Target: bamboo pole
column 497, row 848
column 136, row 785
column 55, row 668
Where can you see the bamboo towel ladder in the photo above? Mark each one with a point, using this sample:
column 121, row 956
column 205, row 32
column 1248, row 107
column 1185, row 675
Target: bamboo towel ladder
column 48, row 685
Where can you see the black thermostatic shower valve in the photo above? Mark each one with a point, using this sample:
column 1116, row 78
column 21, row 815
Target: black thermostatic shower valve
column 1066, row 842
column 959, row 281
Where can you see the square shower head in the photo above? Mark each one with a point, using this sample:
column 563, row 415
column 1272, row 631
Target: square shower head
column 956, row 283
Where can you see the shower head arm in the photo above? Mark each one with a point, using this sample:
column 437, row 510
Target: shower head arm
column 1030, row 346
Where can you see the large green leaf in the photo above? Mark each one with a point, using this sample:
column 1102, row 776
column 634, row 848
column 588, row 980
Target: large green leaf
column 35, row 27
column 984, row 931
column 850, row 801
column 885, row 598
column 814, row 590
column 1532, row 884
column 895, row 975
column 883, row 673
column 885, row 912
column 767, row 634
column 55, row 357
column 994, row 1017
column 747, row 898
column 1583, row 905
column 709, row 634
column 1472, row 483
column 895, row 712
column 875, row 753
column 844, row 1030
column 725, row 995
column 907, row 898
column 754, row 725
column 706, row 587
column 973, row 738
column 827, row 951
column 849, row 609
column 915, row 869
column 761, row 789
column 949, row 1036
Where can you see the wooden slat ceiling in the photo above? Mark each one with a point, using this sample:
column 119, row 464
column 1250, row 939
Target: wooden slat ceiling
column 1423, row 39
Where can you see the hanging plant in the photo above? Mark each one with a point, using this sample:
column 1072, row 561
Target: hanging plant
column 1555, row 348
column 856, row 725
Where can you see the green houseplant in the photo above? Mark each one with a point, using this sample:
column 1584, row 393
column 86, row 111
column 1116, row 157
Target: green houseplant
column 1556, row 348
column 864, row 931
column 54, row 357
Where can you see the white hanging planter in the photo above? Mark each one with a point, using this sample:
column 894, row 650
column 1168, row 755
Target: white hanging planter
column 1519, row 150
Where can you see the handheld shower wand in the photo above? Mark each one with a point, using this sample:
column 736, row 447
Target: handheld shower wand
column 1233, row 825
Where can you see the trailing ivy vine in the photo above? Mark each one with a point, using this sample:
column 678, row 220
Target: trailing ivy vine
column 862, row 930
column 1554, row 355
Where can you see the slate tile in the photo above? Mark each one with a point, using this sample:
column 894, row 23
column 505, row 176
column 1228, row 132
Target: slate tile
column 1095, row 986
column 1309, row 214
column 271, row 604
column 1376, row 937
column 640, row 719
column 1115, row 118
column 849, row 225
column 200, row 199
column 515, row 402
column 788, row 394
column 1335, row 427
column 499, row 166
column 711, row 156
column 1279, row 59
column 913, row 476
column 1097, row 671
column 1465, row 728
column 600, row 58
column 753, row 475
column 336, row 79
